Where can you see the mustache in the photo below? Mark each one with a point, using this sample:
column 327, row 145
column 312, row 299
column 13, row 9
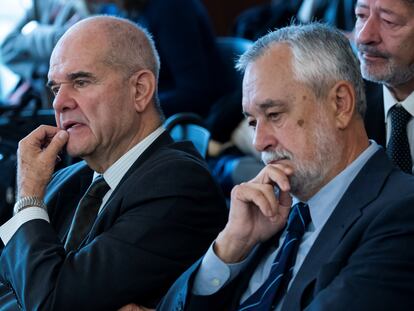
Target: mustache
column 276, row 155
column 362, row 48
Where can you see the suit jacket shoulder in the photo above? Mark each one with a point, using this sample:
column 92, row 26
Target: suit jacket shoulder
column 361, row 254
column 162, row 216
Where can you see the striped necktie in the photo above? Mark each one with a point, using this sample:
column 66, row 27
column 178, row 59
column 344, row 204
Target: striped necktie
column 268, row 295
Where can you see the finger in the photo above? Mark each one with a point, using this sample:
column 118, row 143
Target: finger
column 42, row 133
column 259, row 195
column 276, row 174
column 285, row 199
column 279, row 204
column 57, row 143
column 263, row 196
column 284, row 206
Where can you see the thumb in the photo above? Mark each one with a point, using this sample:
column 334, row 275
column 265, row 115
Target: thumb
column 57, row 142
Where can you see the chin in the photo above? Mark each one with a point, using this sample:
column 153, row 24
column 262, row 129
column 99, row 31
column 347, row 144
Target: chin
column 76, row 150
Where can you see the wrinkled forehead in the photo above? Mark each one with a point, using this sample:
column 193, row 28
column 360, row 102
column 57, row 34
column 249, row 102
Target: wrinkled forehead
column 399, row 7
column 74, row 55
column 270, row 74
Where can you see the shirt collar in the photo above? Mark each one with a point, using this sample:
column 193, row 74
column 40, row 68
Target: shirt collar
column 322, row 204
column 390, row 101
column 116, row 171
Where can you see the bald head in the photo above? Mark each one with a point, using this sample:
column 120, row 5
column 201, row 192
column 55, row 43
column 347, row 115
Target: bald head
column 121, row 44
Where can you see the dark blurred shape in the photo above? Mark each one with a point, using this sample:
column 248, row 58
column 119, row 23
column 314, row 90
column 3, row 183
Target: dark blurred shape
column 191, row 76
column 259, row 20
column 226, row 113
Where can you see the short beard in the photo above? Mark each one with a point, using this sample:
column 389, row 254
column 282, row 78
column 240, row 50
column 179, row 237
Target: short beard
column 390, row 74
column 310, row 174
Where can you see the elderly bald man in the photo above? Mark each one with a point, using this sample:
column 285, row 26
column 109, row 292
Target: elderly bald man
column 127, row 237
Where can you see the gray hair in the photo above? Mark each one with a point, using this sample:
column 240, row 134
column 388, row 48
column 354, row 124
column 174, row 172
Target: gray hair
column 322, row 56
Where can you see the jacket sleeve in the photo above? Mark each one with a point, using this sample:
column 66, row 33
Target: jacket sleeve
column 145, row 239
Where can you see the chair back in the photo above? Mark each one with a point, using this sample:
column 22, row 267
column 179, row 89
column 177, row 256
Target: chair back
column 189, row 126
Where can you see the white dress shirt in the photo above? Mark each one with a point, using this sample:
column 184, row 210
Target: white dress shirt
column 112, row 176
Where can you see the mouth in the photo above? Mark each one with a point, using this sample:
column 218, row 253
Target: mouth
column 71, row 125
column 371, row 54
column 276, row 161
column 372, row 57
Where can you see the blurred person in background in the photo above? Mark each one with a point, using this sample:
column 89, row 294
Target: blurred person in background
column 191, row 77
column 27, row 48
column 384, row 37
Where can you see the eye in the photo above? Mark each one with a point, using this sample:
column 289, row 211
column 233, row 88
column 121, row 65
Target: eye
column 360, row 15
column 55, row 89
column 252, row 123
column 273, row 115
column 389, row 23
column 80, row 83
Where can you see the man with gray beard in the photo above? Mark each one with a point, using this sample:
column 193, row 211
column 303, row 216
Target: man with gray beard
column 384, row 35
column 328, row 224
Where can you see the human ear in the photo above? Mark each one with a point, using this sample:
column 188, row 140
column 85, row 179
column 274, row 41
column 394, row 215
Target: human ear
column 143, row 86
column 342, row 99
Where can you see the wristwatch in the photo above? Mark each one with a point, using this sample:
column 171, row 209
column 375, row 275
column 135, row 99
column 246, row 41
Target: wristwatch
column 30, row 201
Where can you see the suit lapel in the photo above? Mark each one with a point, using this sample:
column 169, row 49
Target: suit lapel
column 374, row 116
column 347, row 212
column 111, row 209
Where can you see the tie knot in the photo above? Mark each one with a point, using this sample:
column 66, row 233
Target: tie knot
column 399, row 116
column 98, row 188
column 299, row 218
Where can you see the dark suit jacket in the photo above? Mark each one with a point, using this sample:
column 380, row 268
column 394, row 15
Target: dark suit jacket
column 363, row 259
column 374, row 116
column 158, row 221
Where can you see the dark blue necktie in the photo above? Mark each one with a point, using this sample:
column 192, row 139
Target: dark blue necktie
column 86, row 213
column 268, row 295
column 398, row 148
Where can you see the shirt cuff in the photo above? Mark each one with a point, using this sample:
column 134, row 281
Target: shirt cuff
column 8, row 229
column 213, row 273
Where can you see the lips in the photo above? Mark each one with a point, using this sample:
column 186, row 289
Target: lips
column 372, row 57
column 371, row 53
column 68, row 125
column 276, row 161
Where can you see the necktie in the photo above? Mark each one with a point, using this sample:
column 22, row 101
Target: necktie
column 268, row 295
column 86, row 213
column 398, row 147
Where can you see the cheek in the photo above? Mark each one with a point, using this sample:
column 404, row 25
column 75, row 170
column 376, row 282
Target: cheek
column 57, row 120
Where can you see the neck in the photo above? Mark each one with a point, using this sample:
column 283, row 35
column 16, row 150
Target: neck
column 401, row 92
column 354, row 141
column 101, row 160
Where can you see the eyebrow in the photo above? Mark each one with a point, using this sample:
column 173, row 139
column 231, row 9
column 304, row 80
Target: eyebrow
column 361, row 5
column 73, row 76
column 383, row 10
column 268, row 103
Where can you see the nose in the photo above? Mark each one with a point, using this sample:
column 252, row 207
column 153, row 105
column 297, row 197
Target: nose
column 367, row 31
column 264, row 137
column 63, row 99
